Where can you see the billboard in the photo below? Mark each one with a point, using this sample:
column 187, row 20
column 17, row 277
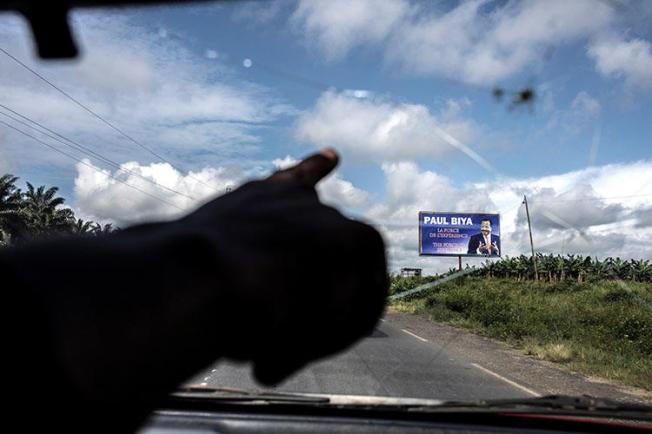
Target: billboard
column 459, row 234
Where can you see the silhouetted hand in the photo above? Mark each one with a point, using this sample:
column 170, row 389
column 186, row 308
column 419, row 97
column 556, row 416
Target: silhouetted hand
column 308, row 280
column 266, row 274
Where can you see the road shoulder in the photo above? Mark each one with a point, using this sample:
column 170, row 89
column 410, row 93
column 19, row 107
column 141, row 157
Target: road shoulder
column 544, row 378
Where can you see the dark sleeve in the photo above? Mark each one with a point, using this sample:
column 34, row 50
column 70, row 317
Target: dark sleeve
column 80, row 339
column 473, row 245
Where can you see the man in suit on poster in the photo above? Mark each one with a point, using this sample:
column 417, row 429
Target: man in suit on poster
column 484, row 243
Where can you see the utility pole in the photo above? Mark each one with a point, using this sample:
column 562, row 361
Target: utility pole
column 529, row 227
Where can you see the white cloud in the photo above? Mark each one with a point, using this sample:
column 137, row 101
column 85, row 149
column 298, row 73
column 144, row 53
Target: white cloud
column 336, row 26
column 341, row 193
column 131, row 194
column 211, row 54
column 5, row 163
column 454, row 107
column 333, row 190
column 478, row 41
column 5, row 159
column 259, row 12
column 156, row 89
column 285, row 162
column 469, row 43
column 410, row 190
column 578, row 208
column 143, row 192
column 585, row 105
column 358, row 93
column 379, row 130
column 591, row 211
column 583, row 110
column 643, row 217
column 629, row 59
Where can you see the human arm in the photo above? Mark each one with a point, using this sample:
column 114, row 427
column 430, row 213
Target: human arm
column 123, row 319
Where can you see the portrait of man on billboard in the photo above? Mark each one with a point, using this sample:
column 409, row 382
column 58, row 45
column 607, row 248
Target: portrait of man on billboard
column 485, row 243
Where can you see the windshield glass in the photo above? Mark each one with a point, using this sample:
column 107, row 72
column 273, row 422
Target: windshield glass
column 501, row 148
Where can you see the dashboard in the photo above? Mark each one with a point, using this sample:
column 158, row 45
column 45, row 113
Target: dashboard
column 243, row 422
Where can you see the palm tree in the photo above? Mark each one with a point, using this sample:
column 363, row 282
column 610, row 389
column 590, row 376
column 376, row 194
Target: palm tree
column 574, row 266
column 81, row 227
column 11, row 217
column 555, row 268
column 522, row 267
column 546, row 265
column 641, row 270
column 584, row 268
column 43, row 213
column 619, row 269
column 559, row 268
column 108, row 228
column 598, row 269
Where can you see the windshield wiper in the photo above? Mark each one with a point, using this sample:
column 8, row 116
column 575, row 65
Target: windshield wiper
column 240, row 395
column 553, row 403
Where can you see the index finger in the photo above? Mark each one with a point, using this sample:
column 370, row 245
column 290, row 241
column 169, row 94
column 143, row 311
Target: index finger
column 310, row 170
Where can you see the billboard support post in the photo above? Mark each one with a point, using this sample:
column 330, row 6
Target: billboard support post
column 459, row 263
column 529, row 227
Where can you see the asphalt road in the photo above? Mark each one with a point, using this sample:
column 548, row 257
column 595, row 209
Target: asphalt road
column 394, row 362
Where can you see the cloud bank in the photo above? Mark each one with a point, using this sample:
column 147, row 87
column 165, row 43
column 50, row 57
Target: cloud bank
column 479, row 42
column 590, row 211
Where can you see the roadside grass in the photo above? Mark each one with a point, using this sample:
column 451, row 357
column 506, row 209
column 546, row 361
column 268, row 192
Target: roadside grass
column 596, row 328
column 555, row 352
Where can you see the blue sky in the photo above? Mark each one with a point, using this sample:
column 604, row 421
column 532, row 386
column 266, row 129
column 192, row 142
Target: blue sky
column 529, row 145
column 390, row 84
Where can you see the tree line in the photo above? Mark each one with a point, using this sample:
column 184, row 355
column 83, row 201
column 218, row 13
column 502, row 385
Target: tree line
column 551, row 268
column 38, row 212
column 557, row 268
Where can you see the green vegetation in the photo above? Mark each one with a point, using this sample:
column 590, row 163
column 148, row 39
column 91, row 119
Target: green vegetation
column 554, row 269
column 597, row 327
column 557, row 268
column 38, row 213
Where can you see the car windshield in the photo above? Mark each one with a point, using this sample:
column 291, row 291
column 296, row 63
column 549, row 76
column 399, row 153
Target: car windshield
column 501, row 149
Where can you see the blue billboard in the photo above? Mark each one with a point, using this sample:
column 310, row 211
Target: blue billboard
column 459, row 234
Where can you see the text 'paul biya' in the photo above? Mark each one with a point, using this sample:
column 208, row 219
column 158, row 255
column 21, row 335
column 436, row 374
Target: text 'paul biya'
column 455, row 221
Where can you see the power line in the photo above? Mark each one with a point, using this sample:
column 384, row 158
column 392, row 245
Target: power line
column 83, row 149
column 93, row 113
column 70, row 97
column 88, row 165
column 591, row 199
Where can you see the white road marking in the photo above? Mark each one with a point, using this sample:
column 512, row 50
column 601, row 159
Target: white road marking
column 506, row 380
column 412, row 334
